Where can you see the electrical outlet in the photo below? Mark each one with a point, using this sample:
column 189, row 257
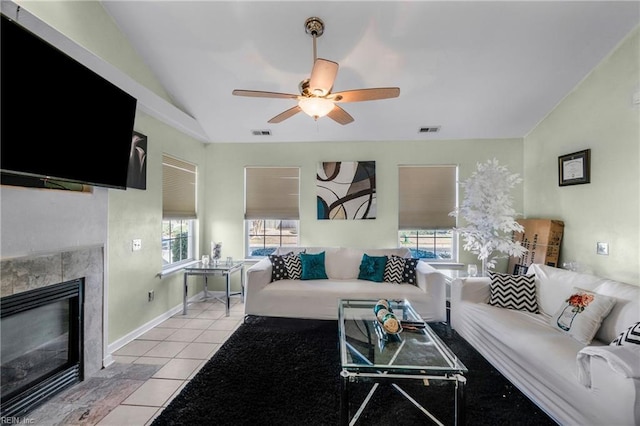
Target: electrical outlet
column 136, row 245
column 152, row 295
column 602, row 248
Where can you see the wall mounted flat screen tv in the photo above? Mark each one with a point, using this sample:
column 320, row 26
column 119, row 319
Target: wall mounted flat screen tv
column 59, row 119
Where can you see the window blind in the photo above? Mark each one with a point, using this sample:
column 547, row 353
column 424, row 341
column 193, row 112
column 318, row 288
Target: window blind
column 272, row 193
column 427, row 196
column 178, row 189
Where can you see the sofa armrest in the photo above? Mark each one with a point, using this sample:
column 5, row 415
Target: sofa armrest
column 474, row 290
column 258, row 276
column 467, row 291
column 434, row 283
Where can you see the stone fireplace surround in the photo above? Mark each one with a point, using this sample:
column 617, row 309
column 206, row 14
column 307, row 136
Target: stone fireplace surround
column 20, row 274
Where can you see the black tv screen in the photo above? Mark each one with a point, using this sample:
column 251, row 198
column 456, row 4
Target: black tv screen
column 59, row 119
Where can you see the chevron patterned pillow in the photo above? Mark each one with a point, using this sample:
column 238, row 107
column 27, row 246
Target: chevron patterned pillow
column 294, row 266
column 630, row 336
column 513, row 292
column 393, row 270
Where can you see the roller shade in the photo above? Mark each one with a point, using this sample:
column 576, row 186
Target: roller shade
column 272, row 193
column 427, row 196
column 178, row 189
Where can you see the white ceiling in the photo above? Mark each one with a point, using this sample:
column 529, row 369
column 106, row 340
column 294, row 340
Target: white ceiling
column 477, row 69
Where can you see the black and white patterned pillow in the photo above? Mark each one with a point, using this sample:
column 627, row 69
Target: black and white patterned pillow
column 513, row 292
column 293, row 265
column 278, row 268
column 631, row 336
column 393, row 270
column 409, row 272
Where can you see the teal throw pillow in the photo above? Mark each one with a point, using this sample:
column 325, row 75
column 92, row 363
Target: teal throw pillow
column 313, row 266
column 372, row 268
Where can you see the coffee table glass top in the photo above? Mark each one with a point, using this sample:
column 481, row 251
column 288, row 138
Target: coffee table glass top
column 365, row 347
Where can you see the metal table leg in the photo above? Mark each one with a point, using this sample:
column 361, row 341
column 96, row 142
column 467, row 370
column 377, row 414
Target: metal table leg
column 184, row 297
column 460, row 400
column 344, row 398
column 228, row 301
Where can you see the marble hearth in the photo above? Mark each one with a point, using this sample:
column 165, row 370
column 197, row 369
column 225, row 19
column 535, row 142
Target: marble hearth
column 21, row 274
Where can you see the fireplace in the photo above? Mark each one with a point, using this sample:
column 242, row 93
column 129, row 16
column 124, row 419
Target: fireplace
column 41, row 351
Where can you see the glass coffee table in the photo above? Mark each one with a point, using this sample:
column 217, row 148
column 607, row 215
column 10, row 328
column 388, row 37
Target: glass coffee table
column 369, row 354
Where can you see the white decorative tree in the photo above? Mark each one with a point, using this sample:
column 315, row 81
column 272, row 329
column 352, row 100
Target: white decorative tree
column 487, row 209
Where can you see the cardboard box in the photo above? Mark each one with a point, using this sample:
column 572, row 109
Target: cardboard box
column 542, row 238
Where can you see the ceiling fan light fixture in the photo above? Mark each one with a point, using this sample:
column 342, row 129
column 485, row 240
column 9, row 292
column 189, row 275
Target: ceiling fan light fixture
column 315, row 107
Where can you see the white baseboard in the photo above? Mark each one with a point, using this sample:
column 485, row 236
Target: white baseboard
column 108, row 359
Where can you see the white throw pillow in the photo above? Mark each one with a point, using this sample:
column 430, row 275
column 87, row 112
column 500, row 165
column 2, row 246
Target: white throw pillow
column 581, row 314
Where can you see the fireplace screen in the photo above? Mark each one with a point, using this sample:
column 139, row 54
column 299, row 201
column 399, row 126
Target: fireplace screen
column 41, row 345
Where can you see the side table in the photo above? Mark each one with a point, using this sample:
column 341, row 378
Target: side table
column 215, row 268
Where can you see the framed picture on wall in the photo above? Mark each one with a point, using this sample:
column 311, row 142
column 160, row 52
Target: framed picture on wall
column 574, row 168
column 137, row 173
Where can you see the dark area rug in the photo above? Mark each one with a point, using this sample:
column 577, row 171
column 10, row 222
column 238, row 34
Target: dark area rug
column 276, row 371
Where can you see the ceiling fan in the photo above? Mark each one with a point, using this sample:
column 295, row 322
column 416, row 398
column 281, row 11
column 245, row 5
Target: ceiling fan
column 316, row 98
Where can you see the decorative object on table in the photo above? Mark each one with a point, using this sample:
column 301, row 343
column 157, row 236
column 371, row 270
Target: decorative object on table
column 205, row 260
column 346, row 190
column 487, row 209
column 472, row 270
column 386, row 317
column 574, row 168
column 216, row 251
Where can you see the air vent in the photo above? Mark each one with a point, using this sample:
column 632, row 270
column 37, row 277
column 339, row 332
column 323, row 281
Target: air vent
column 261, row 132
column 430, row 129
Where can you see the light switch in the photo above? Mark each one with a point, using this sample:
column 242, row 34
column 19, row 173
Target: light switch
column 602, row 248
column 136, row 245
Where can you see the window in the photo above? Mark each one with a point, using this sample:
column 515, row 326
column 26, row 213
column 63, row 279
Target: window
column 271, row 209
column 177, row 241
column 427, row 194
column 266, row 235
column 434, row 245
column 178, row 211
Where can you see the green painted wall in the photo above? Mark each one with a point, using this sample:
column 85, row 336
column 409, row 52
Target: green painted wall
column 599, row 114
column 137, row 214
column 224, row 200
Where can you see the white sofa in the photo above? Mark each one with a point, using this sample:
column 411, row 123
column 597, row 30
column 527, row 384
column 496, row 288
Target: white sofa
column 319, row 298
column 548, row 365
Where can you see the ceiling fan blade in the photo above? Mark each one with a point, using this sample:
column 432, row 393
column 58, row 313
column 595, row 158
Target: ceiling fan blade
column 286, row 114
column 360, row 95
column 261, row 94
column 339, row 115
column 322, row 76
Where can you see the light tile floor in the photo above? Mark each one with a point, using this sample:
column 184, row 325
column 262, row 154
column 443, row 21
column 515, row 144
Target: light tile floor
column 148, row 372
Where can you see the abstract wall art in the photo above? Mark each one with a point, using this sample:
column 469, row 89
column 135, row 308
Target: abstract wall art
column 346, row 190
column 137, row 173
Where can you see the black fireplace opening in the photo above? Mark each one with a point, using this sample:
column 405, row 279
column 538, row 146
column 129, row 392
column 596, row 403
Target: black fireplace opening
column 41, row 350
